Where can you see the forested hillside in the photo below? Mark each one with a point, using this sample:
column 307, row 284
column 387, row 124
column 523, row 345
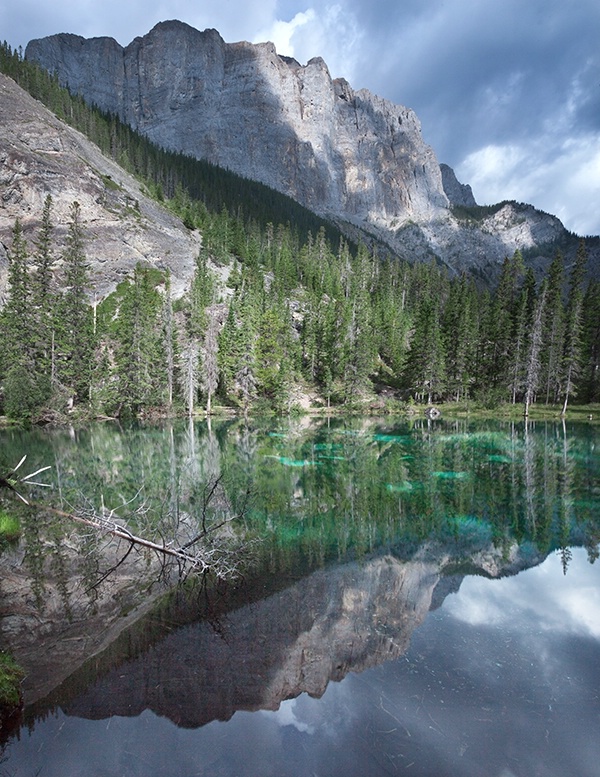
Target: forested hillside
column 281, row 312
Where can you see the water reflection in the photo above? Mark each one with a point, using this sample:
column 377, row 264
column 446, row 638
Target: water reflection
column 512, row 697
column 377, row 544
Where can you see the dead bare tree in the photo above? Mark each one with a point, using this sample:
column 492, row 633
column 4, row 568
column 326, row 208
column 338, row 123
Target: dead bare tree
column 201, row 544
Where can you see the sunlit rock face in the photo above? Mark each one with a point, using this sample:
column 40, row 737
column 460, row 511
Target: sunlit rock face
column 267, row 117
column 40, row 155
column 348, row 155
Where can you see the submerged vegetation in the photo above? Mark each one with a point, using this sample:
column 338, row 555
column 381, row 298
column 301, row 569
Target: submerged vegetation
column 11, row 676
column 10, row 528
column 295, row 318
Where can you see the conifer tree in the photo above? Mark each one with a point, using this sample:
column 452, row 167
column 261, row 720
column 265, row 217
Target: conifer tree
column 532, row 378
column 426, row 360
column 210, row 376
column 140, row 351
column 553, row 332
column 74, row 321
column 590, row 378
column 460, row 338
column 573, row 327
column 44, row 298
column 169, row 337
column 522, row 327
column 22, row 392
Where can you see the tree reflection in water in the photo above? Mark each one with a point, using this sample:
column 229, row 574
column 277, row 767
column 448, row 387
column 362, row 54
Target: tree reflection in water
column 366, row 577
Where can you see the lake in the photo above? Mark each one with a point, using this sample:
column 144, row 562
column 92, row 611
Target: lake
column 416, row 598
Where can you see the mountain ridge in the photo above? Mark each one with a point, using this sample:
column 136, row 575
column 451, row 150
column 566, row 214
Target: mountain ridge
column 350, row 156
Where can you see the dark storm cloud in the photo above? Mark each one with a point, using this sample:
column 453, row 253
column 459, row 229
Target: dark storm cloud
column 483, row 72
column 508, row 93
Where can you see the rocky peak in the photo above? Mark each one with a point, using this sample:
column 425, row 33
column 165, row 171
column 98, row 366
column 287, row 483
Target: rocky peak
column 351, row 156
column 457, row 193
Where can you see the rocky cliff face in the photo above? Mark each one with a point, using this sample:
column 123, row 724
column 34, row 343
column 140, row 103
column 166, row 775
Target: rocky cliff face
column 41, row 155
column 352, row 156
column 267, row 117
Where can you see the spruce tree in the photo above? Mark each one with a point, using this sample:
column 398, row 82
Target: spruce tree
column 532, row 378
column 74, row 324
column 571, row 363
column 22, row 392
column 590, row 377
column 427, row 360
column 553, row 332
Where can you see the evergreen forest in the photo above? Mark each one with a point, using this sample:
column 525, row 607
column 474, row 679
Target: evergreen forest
column 296, row 316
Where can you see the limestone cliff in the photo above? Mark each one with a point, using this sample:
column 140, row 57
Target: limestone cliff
column 349, row 155
column 244, row 107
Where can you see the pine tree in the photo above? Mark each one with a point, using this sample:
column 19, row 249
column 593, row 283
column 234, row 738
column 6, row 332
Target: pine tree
column 501, row 324
column 573, row 327
column 534, row 349
column 140, row 354
column 522, row 326
column 460, row 338
column 44, row 299
column 590, row 378
column 210, row 376
column 553, row 332
column 170, row 338
column 427, row 360
column 22, row 392
column 74, row 321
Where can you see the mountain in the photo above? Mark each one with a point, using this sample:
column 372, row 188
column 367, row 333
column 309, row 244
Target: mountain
column 348, row 155
column 41, row 155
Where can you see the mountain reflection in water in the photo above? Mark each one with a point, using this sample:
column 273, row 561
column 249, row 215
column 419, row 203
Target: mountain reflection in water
column 454, row 648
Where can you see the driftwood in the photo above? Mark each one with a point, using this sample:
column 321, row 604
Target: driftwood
column 204, row 552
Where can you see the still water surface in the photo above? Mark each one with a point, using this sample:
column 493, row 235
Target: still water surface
column 421, row 601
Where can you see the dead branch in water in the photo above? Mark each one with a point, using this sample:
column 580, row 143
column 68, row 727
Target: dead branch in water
column 201, row 551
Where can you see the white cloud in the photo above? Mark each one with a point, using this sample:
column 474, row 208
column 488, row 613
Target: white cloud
column 562, row 179
column 541, row 597
column 287, row 715
column 280, row 32
column 331, row 32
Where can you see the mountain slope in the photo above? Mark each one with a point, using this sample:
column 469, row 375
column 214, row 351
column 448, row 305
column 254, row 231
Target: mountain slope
column 348, row 155
column 41, row 155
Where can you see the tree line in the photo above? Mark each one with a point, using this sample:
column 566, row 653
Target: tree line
column 302, row 307
column 292, row 317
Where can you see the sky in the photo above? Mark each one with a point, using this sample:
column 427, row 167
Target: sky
column 507, row 91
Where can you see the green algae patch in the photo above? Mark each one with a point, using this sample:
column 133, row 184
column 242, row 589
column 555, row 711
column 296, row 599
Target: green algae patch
column 10, row 528
column 499, row 459
column 450, row 475
column 287, row 462
column 390, row 438
column 11, row 675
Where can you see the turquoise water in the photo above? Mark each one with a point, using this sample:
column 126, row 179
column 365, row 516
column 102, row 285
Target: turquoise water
column 416, row 598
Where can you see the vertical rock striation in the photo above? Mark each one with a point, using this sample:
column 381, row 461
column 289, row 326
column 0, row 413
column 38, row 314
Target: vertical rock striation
column 266, row 117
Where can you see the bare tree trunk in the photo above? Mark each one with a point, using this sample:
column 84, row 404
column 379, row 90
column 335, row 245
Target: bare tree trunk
column 533, row 361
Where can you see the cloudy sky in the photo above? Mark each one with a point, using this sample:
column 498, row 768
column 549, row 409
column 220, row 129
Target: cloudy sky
column 508, row 92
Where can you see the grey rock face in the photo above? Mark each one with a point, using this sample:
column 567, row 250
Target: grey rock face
column 40, row 155
column 244, row 107
column 456, row 192
column 348, row 155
